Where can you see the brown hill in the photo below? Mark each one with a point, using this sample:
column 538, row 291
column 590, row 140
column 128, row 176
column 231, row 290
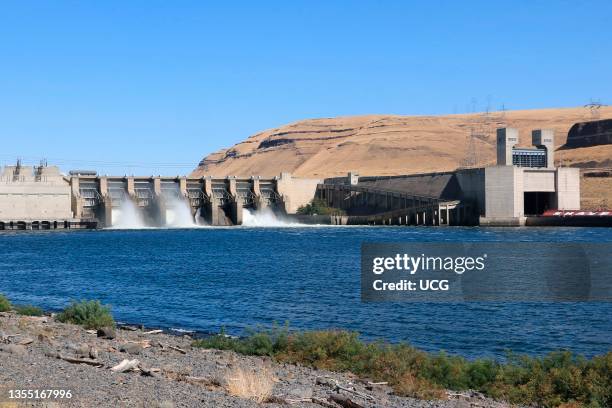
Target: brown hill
column 391, row 144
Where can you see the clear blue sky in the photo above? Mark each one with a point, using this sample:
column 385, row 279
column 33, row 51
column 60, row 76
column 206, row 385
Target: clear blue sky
column 126, row 86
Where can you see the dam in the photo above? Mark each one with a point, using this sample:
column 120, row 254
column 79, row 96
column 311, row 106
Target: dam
column 40, row 197
column 522, row 186
column 207, row 200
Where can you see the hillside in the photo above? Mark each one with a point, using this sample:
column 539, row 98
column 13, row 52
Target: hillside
column 391, row 144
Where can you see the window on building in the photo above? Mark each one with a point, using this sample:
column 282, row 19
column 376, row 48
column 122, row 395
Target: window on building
column 529, row 157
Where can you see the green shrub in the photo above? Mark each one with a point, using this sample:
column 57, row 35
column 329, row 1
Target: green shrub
column 262, row 343
column 5, row 305
column 319, row 207
column 29, row 310
column 89, row 314
column 559, row 378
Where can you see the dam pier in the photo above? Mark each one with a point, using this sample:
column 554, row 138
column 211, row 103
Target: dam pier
column 522, row 186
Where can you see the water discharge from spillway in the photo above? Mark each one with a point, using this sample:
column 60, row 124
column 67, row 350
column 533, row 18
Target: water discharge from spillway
column 178, row 214
column 127, row 216
column 265, row 218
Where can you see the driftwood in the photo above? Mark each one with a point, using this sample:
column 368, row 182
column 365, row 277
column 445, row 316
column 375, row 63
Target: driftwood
column 153, row 332
column 466, row 395
column 125, row 365
column 74, row 360
column 354, row 391
column 201, row 380
column 344, row 401
column 291, row 401
column 180, row 350
column 148, row 372
column 330, row 382
column 144, row 343
column 457, row 394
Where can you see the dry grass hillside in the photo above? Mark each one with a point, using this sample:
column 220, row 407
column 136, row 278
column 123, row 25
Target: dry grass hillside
column 391, row 144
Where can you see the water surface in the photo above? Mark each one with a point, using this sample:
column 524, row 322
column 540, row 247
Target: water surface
column 205, row 279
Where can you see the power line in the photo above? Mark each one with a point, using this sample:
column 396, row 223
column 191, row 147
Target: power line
column 105, row 163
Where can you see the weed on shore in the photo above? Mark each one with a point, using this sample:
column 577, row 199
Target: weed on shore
column 91, row 314
column 557, row 379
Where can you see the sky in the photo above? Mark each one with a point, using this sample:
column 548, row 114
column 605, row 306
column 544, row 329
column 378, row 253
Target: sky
column 151, row 87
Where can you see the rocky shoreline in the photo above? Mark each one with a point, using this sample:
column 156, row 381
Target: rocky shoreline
column 133, row 367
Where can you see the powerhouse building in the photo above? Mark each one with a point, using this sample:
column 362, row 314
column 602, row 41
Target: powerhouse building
column 525, row 181
column 522, row 185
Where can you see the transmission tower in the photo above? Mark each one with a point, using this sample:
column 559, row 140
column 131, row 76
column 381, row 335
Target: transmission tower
column 594, row 107
column 502, row 112
column 471, row 154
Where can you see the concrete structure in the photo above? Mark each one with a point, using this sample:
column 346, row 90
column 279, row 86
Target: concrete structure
column 523, row 183
column 34, row 198
column 43, row 198
column 393, row 200
column 216, row 201
column 527, row 187
column 545, row 139
column 542, row 154
column 507, row 138
column 296, row 192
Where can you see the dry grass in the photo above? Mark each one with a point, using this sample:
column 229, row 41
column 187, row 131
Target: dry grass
column 595, row 193
column 250, row 384
column 390, row 144
column 410, row 386
column 24, row 324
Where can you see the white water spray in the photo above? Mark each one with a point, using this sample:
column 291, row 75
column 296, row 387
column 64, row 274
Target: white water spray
column 178, row 214
column 127, row 216
column 198, row 218
column 265, row 218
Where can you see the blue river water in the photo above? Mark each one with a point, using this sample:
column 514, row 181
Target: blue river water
column 240, row 278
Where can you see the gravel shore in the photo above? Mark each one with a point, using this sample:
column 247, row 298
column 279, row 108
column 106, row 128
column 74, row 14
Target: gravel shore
column 39, row 353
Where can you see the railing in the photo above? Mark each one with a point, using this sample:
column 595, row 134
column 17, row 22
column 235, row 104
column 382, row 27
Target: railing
column 22, row 179
column 247, row 197
column 270, row 196
column 91, row 197
column 196, row 197
column 221, row 195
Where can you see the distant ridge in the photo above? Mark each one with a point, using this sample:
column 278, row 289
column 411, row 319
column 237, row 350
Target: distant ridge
column 393, row 144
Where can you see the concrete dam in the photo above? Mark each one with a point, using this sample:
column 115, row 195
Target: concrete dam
column 204, row 201
column 42, row 198
column 522, row 185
